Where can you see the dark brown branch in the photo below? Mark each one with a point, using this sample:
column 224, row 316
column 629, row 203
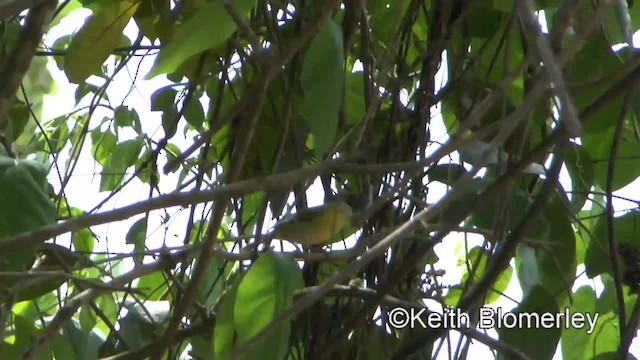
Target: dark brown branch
column 11, row 8
column 613, row 242
column 271, row 63
column 18, row 62
column 66, row 312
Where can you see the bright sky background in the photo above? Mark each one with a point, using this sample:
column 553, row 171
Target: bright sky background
column 86, row 179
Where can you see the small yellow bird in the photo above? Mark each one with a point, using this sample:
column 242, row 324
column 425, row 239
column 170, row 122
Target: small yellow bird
column 315, row 225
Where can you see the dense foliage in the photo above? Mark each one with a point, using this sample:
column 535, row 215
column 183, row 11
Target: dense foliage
column 447, row 117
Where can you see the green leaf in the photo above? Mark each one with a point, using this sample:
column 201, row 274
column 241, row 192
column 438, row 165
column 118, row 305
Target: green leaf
column 124, row 155
column 100, row 34
column 170, row 122
column 212, row 285
column 24, row 205
column 84, row 89
column 207, row 29
column 137, row 235
column 265, row 292
column 148, row 174
column 87, row 318
column 250, row 206
column 627, row 164
column 527, row 268
column 24, row 330
column 581, row 171
column 127, row 117
column 606, row 335
column 163, row 99
column 18, row 119
column 484, row 216
column 83, row 240
column 384, row 17
column 102, row 145
column 143, row 321
column 538, row 301
column 596, row 60
column 557, row 261
column 194, row 114
column 322, row 82
column 224, row 333
column 354, row 98
column 62, row 43
column 153, row 285
column 626, row 231
column 575, row 341
column 476, row 261
column 110, row 310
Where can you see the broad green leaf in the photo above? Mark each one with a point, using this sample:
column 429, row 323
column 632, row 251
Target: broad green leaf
column 627, row 164
column 70, row 7
column 485, row 23
column 581, row 171
column 265, row 292
column 575, row 341
column 484, row 216
column 137, row 235
column 147, row 170
column 250, row 207
column 476, row 260
column 18, row 118
column 211, row 287
column 626, row 230
column 606, row 335
column 557, row 256
column 527, row 268
column 612, row 355
column 207, row 29
column 322, row 82
column 102, row 145
column 24, row 205
column 83, row 240
column 163, row 99
column 224, row 333
column 202, row 347
column 127, row 117
column 87, row 318
column 170, row 122
column 595, row 60
column 57, row 137
column 378, row 343
column 354, row 98
column 143, row 321
column 84, row 89
column 385, row 16
column 24, row 330
column 110, row 309
column 539, row 302
column 124, row 155
column 100, row 34
column 62, row 43
column 194, row 114
column 153, row 285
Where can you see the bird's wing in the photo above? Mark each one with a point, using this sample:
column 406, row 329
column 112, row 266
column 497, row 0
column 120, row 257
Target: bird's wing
column 305, row 215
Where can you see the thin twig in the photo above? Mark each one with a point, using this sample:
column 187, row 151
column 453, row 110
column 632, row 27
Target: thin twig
column 554, row 74
column 66, row 312
column 271, row 65
column 613, row 242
